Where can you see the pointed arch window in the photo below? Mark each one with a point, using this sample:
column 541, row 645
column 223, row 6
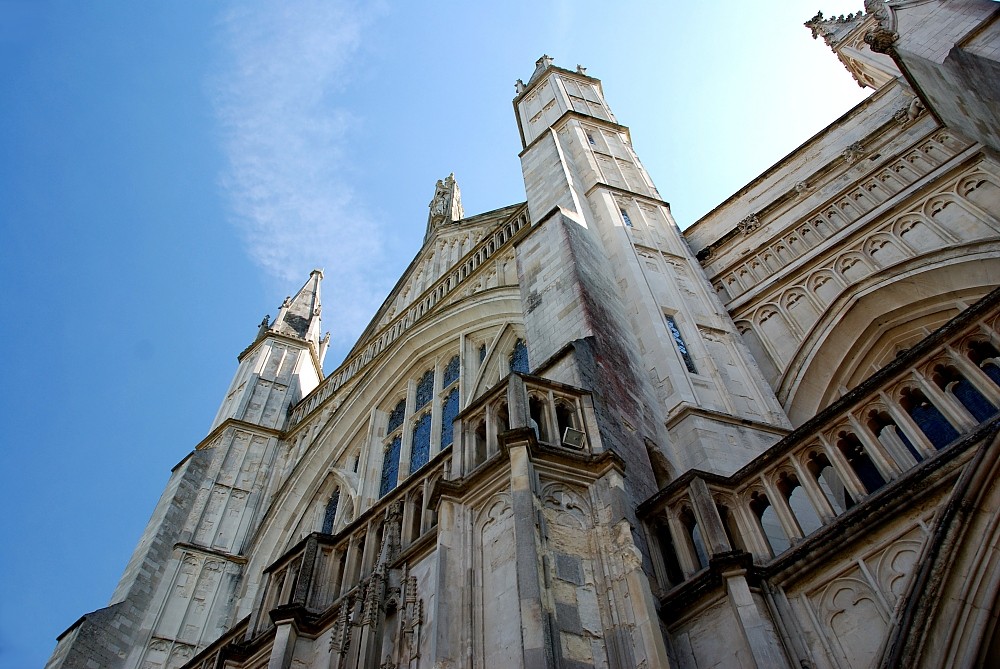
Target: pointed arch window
column 420, row 451
column 681, row 345
column 330, row 514
column 519, row 357
column 390, row 465
column 449, row 401
column 425, row 389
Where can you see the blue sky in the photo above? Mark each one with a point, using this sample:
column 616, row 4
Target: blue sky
column 169, row 171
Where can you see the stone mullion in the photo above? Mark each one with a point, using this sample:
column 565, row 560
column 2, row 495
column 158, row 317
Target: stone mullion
column 819, row 501
column 682, row 544
column 950, row 407
column 908, row 425
column 712, row 531
column 844, row 470
column 786, row 517
column 883, row 460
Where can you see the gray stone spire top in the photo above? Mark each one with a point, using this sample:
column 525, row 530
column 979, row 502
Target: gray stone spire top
column 299, row 316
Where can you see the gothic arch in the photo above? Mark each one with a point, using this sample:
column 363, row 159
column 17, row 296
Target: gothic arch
column 858, row 332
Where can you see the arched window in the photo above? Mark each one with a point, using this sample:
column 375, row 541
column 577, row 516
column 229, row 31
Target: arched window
column 860, row 461
column 565, row 418
column 425, row 389
column 449, row 412
column 420, row 450
column 829, row 482
column 674, row 573
column 890, row 435
column 330, row 513
column 390, row 465
column 393, row 445
column 694, row 534
column 927, row 417
column 987, row 358
column 761, row 507
column 539, row 420
column 519, row 357
column 449, row 401
column 798, row 501
column 952, row 382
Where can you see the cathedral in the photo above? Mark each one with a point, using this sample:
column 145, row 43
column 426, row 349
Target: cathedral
column 574, row 436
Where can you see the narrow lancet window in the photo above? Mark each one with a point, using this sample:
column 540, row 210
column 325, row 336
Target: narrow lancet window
column 628, row 221
column 331, row 512
column 681, row 346
column 421, row 451
column 390, row 466
column 519, row 357
column 425, row 388
column 449, row 412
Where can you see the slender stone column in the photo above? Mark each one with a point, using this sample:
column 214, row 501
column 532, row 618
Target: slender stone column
column 537, row 646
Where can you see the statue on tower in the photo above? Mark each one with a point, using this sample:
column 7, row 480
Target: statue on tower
column 446, row 207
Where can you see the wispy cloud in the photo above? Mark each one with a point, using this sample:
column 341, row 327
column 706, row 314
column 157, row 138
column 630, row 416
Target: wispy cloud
column 279, row 97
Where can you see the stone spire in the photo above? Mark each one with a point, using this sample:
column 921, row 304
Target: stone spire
column 446, row 207
column 300, row 316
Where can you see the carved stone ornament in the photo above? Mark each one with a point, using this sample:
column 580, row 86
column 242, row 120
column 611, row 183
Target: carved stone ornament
column 580, row 69
column 880, row 40
column 749, row 224
column 519, row 86
column 802, row 187
column 446, row 206
column 852, row 153
column 911, row 112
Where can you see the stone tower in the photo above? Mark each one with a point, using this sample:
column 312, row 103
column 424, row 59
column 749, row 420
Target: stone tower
column 689, row 367
column 177, row 590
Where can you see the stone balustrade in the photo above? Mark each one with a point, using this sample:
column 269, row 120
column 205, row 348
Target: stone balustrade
column 940, row 394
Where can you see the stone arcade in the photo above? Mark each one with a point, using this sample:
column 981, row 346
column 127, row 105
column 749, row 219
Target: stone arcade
column 574, row 436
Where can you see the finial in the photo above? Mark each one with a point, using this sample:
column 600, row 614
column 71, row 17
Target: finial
column 519, row 86
column 544, row 61
column 317, row 271
column 580, row 69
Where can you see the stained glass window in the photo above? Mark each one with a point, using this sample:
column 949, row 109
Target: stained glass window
column 396, row 417
column 451, row 372
column 390, row 466
column 681, row 346
column 519, row 357
column 331, row 512
column 421, row 451
column 448, row 414
column 425, row 388
column 590, row 138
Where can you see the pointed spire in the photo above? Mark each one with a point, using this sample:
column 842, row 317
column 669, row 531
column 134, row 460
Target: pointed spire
column 834, row 29
column 446, row 207
column 299, row 316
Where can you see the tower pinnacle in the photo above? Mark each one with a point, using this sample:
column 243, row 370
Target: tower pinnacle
column 300, row 316
column 446, row 206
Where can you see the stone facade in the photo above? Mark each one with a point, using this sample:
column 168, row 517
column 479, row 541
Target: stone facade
column 575, row 436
